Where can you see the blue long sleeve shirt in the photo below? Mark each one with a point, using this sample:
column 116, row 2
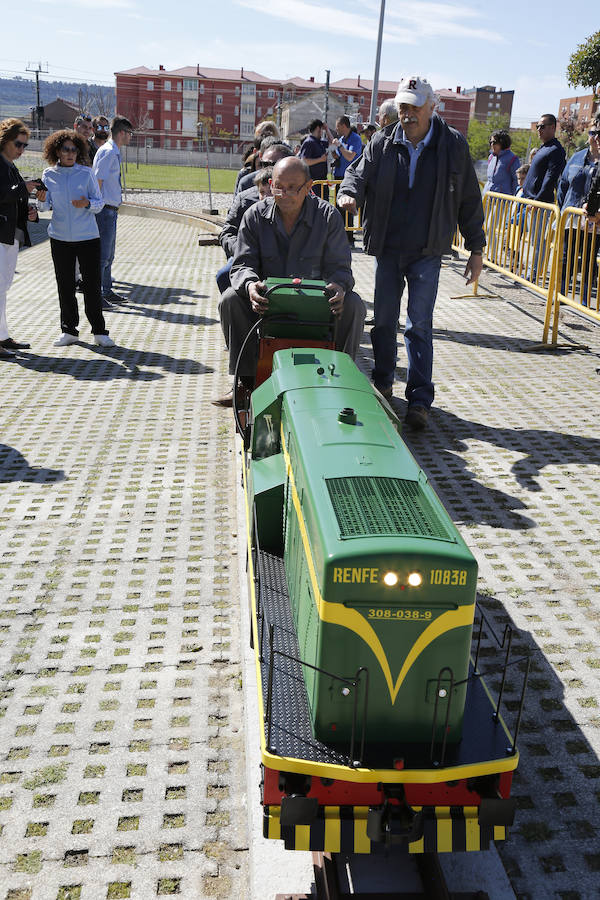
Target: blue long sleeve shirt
column 67, row 183
column 545, row 170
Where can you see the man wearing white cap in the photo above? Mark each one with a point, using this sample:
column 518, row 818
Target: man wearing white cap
column 416, row 183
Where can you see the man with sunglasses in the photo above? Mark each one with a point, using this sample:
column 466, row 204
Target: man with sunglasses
column 107, row 169
column 101, row 132
column 272, row 149
column 292, row 233
column 547, row 164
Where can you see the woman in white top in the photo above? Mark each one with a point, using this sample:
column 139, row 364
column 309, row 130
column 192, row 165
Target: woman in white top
column 74, row 197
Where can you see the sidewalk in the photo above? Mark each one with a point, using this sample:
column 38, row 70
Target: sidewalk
column 119, row 621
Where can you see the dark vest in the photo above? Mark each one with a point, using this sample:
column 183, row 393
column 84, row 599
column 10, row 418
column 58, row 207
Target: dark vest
column 410, row 213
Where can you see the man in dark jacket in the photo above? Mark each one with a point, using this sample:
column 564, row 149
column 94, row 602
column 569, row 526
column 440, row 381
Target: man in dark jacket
column 416, row 183
column 228, row 236
column 292, row 233
column 547, row 164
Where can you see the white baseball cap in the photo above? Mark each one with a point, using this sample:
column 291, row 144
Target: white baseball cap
column 414, row 90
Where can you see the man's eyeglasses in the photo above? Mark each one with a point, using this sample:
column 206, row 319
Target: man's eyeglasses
column 101, row 127
column 67, row 149
column 279, row 192
column 266, row 165
column 20, row 145
column 541, row 125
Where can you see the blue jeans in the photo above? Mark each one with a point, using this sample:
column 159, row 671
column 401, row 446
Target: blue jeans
column 222, row 276
column 422, row 274
column 107, row 226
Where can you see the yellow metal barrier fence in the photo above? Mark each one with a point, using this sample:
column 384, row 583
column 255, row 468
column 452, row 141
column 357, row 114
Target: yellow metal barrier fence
column 327, row 190
column 576, row 269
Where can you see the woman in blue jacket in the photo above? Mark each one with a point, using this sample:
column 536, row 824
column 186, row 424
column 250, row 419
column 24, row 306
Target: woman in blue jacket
column 502, row 165
column 573, row 188
column 74, row 197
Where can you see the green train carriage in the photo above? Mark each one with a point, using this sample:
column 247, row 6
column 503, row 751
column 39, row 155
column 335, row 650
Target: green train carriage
column 378, row 577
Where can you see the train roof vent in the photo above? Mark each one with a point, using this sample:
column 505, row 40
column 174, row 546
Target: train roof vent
column 384, row 506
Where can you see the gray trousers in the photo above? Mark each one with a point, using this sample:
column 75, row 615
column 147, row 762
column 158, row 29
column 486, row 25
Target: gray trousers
column 237, row 318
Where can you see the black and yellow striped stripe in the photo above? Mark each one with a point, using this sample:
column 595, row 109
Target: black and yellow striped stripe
column 343, row 829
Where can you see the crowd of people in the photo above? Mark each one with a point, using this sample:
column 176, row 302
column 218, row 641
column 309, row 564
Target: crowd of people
column 412, row 177
column 82, row 187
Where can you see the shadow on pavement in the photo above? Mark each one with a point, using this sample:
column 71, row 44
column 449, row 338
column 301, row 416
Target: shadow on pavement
column 468, row 500
column 14, row 467
column 116, row 362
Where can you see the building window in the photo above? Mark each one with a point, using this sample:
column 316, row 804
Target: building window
column 350, row 98
column 236, row 111
column 201, row 88
column 178, row 144
column 167, row 124
column 270, row 93
column 201, row 107
column 270, row 111
column 179, row 106
column 149, row 143
column 441, row 106
column 219, row 119
column 150, row 123
column 361, row 100
column 189, row 84
column 167, row 142
column 219, row 99
column 178, row 85
column 178, row 125
column 237, row 90
column 167, row 106
column 149, row 85
column 190, row 145
column 150, row 104
column 249, row 89
column 167, row 85
column 235, row 129
column 190, row 104
column 259, row 111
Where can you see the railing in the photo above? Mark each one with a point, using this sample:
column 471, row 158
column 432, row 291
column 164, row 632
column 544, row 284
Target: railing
column 552, row 253
column 577, row 242
column 327, row 190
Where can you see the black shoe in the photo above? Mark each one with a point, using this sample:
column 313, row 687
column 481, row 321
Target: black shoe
column 6, row 354
column 116, row 298
column 416, row 417
column 386, row 392
column 9, row 344
column 226, row 401
column 106, row 304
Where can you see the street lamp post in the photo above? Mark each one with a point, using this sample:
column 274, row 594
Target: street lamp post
column 373, row 111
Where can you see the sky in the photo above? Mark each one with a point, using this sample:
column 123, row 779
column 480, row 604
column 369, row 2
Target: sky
column 520, row 46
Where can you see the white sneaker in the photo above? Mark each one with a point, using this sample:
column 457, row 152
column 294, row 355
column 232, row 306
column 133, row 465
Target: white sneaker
column 66, row 339
column 103, row 340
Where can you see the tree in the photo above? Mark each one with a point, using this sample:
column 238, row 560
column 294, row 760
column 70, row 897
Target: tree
column 478, row 135
column 570, row 129
column 584, row 63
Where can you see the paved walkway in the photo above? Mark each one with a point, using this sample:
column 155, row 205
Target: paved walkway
column 121, row 748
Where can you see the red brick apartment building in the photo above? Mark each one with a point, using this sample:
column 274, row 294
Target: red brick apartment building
column 488, row 101
column 165, row 107
column 583, row 109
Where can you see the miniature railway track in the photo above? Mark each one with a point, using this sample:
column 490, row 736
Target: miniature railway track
column 327, row 883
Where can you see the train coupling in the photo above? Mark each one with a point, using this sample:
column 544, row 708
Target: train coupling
column 296, row 807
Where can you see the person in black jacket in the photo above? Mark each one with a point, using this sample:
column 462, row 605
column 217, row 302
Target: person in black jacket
column 416, row 183
column 15, row 212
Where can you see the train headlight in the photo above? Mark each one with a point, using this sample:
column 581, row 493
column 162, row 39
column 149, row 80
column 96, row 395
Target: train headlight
column 415, row 579
column 391, row 579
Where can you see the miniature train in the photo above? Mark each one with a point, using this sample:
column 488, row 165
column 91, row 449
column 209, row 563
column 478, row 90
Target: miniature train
column 376, row 726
